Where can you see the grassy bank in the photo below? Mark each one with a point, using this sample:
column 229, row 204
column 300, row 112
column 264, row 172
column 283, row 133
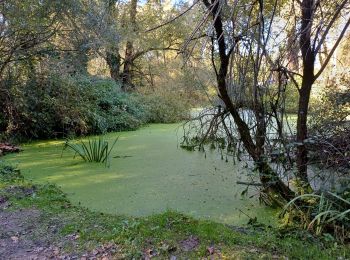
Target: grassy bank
column 75, row 231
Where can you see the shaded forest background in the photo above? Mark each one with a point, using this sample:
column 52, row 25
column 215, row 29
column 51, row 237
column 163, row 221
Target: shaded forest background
column 83, row 67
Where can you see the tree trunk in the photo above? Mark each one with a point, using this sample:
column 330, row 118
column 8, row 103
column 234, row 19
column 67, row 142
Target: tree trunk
column 302, row 153
column 129, row 50
column 128, row 63
column 113, row 62
column 307, row 9
column 112, row 56
column 276, row 190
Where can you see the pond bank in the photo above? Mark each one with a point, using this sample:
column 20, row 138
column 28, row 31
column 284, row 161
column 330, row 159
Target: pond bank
column 39, row 221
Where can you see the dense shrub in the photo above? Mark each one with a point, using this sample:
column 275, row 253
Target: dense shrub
column 166, row 108
column 113, row 110
column 330, row 128
column 333, row 106
column 48, row 106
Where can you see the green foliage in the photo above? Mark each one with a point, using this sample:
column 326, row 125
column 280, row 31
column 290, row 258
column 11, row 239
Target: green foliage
column 94, row 150
column 118, row 111
column 8, row 172
column 332, row 106
column 291, row 99
column 166, row 108
column 327, row 213
column 53, row 106
column 329, row 128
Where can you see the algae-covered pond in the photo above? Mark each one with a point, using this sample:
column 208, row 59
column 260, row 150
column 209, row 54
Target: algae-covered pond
column 148, row 173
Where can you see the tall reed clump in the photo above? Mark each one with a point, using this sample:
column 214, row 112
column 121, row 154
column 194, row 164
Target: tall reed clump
column 93, row 150
column 326, row 213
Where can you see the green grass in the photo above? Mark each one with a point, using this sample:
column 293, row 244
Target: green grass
column 148, row 174
column 164, row 232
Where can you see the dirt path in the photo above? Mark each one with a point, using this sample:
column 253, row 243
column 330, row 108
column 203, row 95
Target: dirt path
column 16, row 241
column 23, row 236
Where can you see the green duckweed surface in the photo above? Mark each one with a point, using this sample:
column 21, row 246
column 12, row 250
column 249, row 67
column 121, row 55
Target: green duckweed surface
column 148, row 173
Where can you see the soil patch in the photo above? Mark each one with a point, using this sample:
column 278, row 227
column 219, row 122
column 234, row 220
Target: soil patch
column 23, row 236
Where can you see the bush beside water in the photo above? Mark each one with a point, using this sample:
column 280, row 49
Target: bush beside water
column 60, row 106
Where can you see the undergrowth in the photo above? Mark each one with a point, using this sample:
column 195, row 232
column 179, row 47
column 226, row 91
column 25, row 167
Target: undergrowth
column 326, row 214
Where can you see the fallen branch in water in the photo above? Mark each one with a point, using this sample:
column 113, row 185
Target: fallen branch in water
column 249, row 183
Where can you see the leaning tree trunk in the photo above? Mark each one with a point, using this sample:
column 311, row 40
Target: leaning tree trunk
column 278, row 191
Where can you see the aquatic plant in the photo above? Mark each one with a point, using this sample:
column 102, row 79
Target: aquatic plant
column 94, row 150
column 326, row 213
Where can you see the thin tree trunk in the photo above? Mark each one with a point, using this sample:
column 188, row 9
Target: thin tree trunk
column 302, row 153
column 307, row 9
